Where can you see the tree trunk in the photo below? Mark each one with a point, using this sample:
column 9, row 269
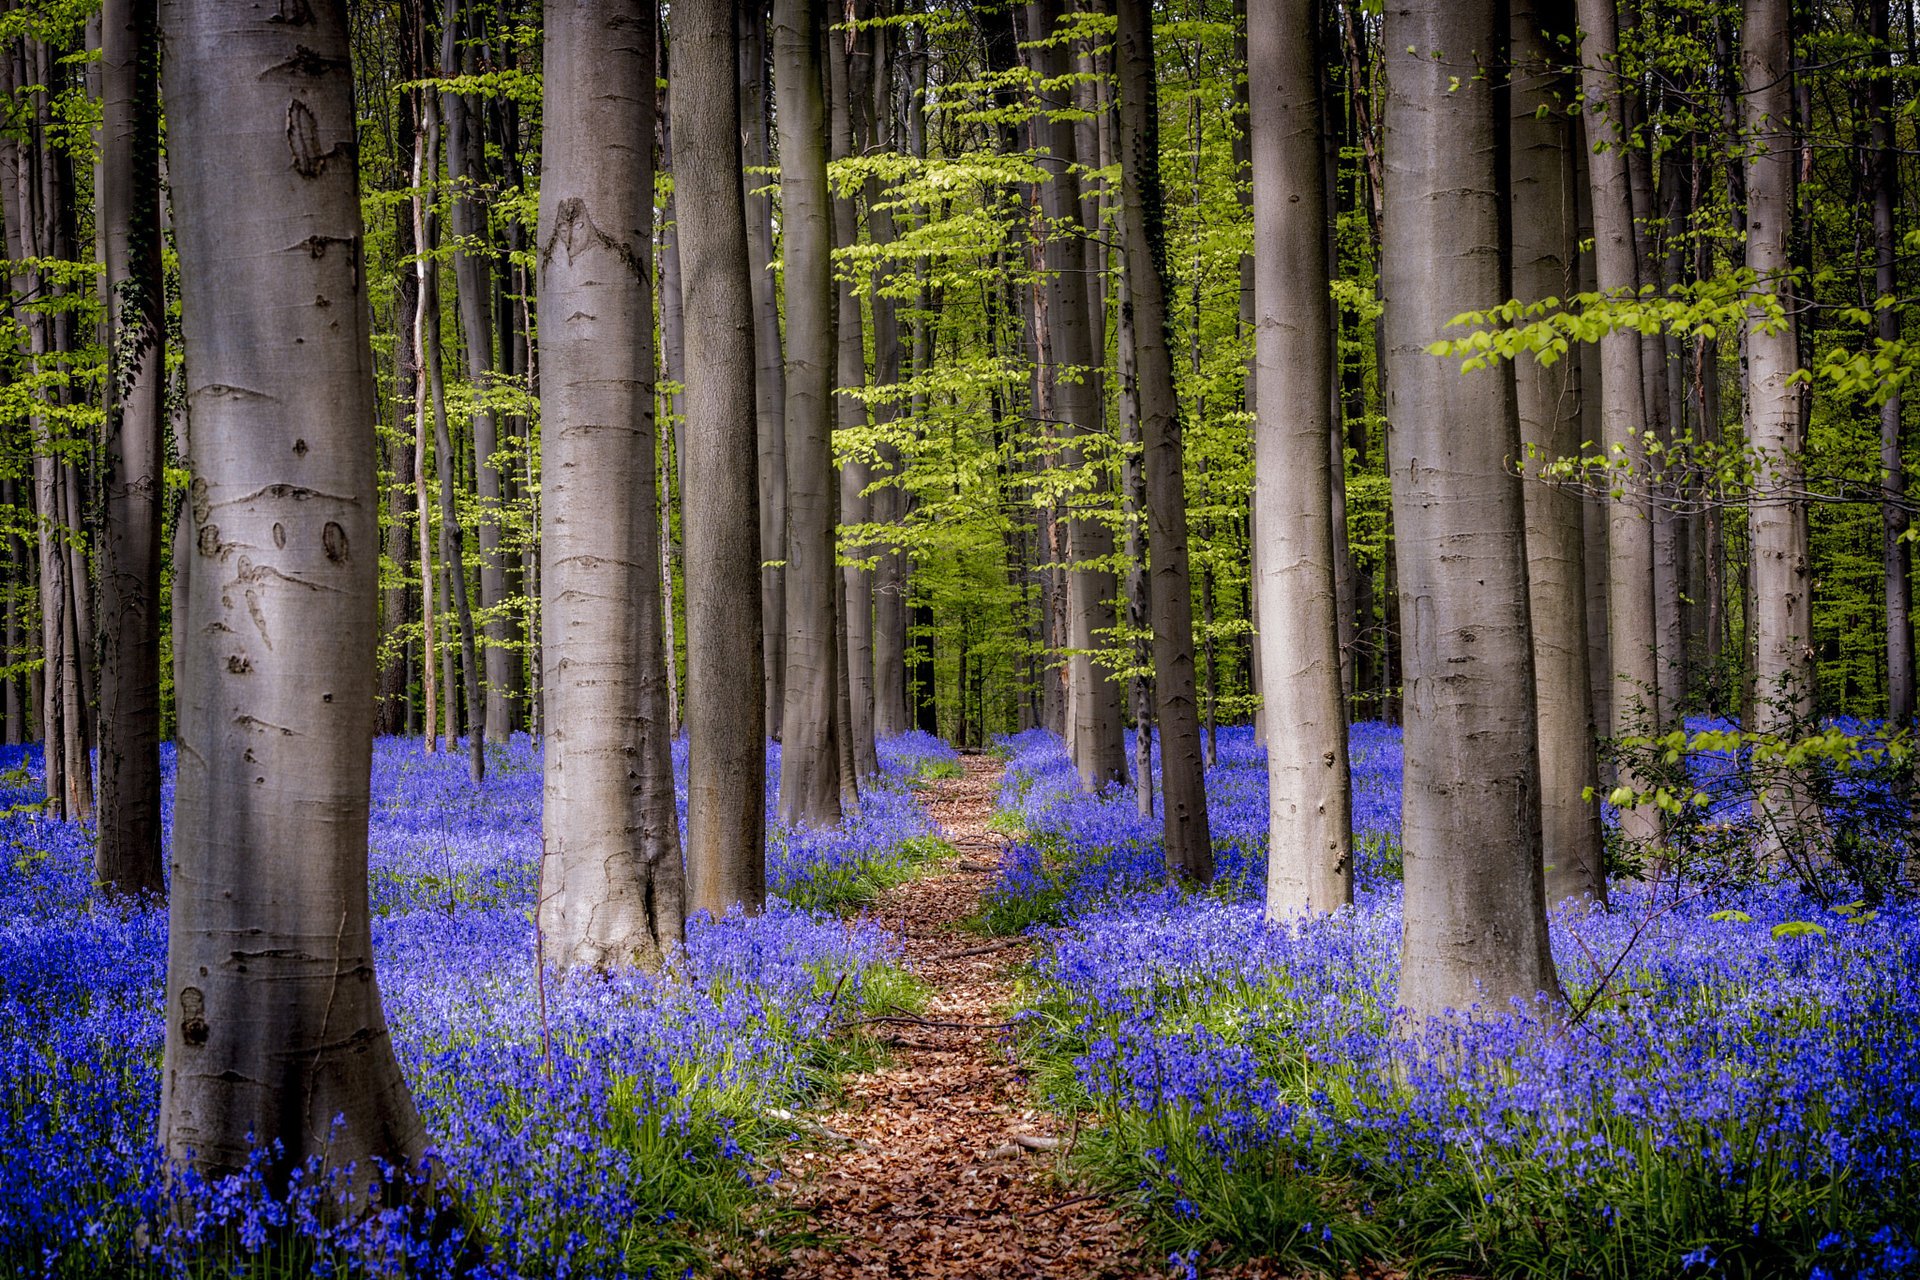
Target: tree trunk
column 770, row 374
column 1475, row 926
column 395, row 696
column 1095, row 732
column 1782, row 603
column 890, row 501
column 1897, row 557
column 452, row 536
column 127, row 859
column 1310, row 840
column 473, row 283
column 726, row 791
column 1549, row 398
column 1631, row 613
column 850, row 414
column 1143, row 226
column 265, row 1044
column 1133, row 473
column 810, row 756
column 613, row 892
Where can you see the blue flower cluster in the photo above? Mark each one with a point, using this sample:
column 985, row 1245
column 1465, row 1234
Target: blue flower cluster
column 1732, row 1088
column 640, row 1115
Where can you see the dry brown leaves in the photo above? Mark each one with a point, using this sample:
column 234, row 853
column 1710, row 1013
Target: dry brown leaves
column 934, row 1182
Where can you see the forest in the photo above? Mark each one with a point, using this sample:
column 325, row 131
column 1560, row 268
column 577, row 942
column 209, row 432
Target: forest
column 1062, row 638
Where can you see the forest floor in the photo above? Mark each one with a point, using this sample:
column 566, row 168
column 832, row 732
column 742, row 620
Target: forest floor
column 932, row 1179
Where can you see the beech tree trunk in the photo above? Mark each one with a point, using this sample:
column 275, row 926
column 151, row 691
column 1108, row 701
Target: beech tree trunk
column 127, row 858
column 1782, row 604
column 1631, row 613
column 473, row 283
column 1095, row 733
column 1309, row 798
column 850, row 415
column 726, row 729
column 810, row 755
column 770, row 374
column 1897, row 556
column 1475, row 926
column 1549, row 398
column 274, row 1026
column 1143, row 232
column 612, row 887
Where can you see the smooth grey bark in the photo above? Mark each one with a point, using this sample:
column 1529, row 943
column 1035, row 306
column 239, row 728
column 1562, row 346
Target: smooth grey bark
column 1309, row 786
column 1183, row 809
column 274, row 1029
column 1782, row 603
column 810, row 780
column 1475, row 929
column 726, row 728
column 1094, row 726
column 127, row 857
column 395, row 697
column 1631, row 612
column 1896, row 554
column 453, row 538
column 770, row 374
column 890, row 578
column 423, row 272
column 850, row 417
column 1544, row 245
column 612, row 888
column 1133, row 482
column 504, row 686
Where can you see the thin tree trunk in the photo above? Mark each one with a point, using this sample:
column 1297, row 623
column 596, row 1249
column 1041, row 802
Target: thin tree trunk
column 1631, row 612
column 452, row 536
column 1549, row 396
column 1139, row 590
column 612, row 889
column 770, row 374
column 1310, row 840
column 810, row 781
column 279, row 620
column 1475, row 926
column 1143, row 222
column 1782, row 604
column 473, row 283
column 1896, row 554
column 889, row 502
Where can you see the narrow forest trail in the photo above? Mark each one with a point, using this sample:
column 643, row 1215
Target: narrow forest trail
column 933, row 1181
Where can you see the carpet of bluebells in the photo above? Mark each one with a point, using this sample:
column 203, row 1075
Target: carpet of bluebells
column 1732, row 1089
column 645, row 1123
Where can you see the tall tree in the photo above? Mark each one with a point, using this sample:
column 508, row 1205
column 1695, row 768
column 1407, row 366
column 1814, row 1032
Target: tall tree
column 1094, row 729
column 1475, row 928
column 726, row 725
column 1631, row 615
column 1896, row 552
column 1782, row 604
column 1309, row 798
column 1544, row 245
column 274, row 1026
column 128, row 855
column 473, row 286
column 810, row 753
column 613, row 889
column 1143, row 226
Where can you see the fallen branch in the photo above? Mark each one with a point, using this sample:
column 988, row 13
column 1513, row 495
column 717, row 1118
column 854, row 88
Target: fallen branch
column 1037, row 1142
column 907, row 1020
column 999, row 944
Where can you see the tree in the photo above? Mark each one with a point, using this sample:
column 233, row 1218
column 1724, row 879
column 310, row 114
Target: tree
column 1310, row 837
column 274, row 1025
column 1896, row 554
column 1631, row 611
column 128, row 855
column 810, row 754
column 1782, row 601
column 612, row 889
column 1143, row 222
column 726, row 726
column 1475, row 929
column 1094, row 731
column 1549, row 399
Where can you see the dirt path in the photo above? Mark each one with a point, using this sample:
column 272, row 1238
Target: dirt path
column 933, row 1182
